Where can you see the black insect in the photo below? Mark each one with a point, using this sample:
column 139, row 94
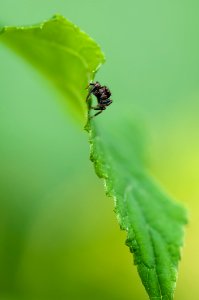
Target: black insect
column 102, row 93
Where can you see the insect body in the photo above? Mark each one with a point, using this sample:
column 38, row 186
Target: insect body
column 102, row 93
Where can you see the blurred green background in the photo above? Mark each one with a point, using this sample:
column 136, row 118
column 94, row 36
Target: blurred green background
column 59, row 238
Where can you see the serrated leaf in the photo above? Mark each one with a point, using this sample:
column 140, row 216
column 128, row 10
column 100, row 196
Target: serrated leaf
column 154, row 223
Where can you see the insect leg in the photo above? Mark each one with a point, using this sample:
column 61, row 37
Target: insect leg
column 107, row 102
column 90, row 84
column 99, row 112
column 95, row 108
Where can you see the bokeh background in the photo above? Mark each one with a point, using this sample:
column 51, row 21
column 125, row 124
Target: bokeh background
column 59, row 238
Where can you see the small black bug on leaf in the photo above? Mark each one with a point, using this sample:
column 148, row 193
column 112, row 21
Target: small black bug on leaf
column 102, row 93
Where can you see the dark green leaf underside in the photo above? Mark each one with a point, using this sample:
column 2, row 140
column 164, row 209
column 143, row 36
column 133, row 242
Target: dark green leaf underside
column 154, row 223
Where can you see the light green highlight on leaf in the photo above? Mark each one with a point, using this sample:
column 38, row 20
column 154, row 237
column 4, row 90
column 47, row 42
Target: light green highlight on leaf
column 153, row 222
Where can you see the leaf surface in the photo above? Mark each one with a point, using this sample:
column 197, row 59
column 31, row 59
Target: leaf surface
column 62, row 52
column 154, row 223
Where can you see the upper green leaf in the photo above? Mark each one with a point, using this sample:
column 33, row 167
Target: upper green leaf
column 60, row 50
column 153, row 222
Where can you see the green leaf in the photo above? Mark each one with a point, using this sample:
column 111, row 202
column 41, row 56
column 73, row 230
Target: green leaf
column 62, row 52
column 154, row 223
